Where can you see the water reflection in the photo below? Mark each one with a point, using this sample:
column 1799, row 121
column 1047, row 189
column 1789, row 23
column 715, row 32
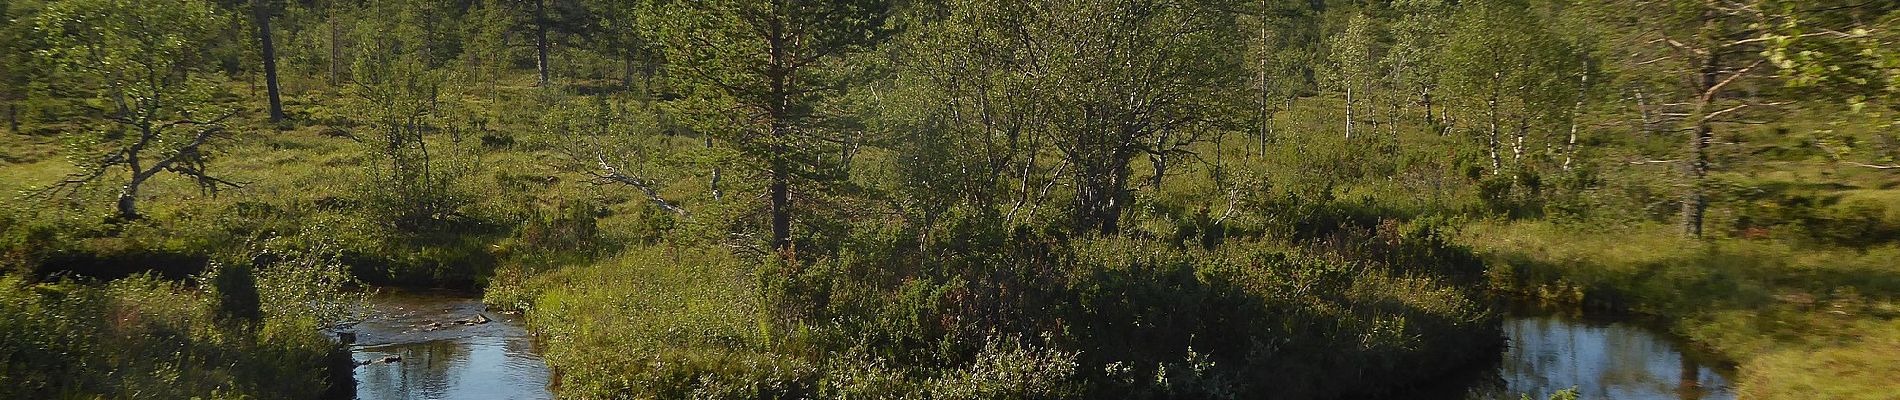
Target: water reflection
column 1603, row 361
column 471, row 368
column 442, row 357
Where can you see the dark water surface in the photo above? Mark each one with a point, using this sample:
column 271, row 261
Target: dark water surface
column 444, row 353
column 1602, row 358
column 1605, row 360
column 445, row 358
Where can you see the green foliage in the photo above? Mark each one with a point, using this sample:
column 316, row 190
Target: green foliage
column 141, row 336
column 140, row 75
column 410, row 188
column 1566, row 394
column 985, row 313
column 305, row 281
column 1093, row 84
column 235, row 288
column 941, row 157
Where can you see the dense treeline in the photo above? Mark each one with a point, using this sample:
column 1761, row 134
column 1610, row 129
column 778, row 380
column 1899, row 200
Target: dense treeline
column 951, row 198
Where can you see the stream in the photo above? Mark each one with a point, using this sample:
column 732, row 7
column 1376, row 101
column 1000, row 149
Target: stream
column 432, row 345
column 429, row 345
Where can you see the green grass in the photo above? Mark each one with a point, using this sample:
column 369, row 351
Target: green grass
column 660, row 321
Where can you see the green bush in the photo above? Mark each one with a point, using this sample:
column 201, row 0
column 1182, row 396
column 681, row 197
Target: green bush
column 142, row 337
column 978, row 311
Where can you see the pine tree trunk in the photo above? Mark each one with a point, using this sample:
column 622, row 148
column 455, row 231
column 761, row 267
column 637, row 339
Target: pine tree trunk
column 627, row 80
column 336, row 52
column 262, row 11
column 781, row 202
column 13, row 117
column 778, row 191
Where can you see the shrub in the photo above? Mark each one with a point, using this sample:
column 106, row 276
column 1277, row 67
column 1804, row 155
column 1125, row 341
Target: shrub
column 145, row 337
column 977, row 311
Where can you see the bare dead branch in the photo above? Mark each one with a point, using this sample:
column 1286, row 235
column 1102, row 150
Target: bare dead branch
column 1708, row 95
column 609, row 174
column 1865, row 165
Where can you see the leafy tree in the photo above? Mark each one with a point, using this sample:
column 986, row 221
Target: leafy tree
column 1281, row 56
column 1843, row 51
column 620, row 30
column 758, row 73
column 1501, row 64
column 401, row 99
column 1355, row 60
column 143, row 62
column 1713, row 51
column 16, row 68
column 1104, row 83
column 1418, row 37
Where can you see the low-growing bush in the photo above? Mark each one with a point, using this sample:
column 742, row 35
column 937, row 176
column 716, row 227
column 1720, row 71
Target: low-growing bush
column 142, row 337
column 979, row 311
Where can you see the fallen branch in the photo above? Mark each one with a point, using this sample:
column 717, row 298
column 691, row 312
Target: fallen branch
column 609, row 174
column 1836, row 154
column 1888, row 166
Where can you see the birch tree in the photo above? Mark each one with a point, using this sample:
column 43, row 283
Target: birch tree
column 1109, row 82
column 1505, row 69
column 1355, row 65
column 1713, row 50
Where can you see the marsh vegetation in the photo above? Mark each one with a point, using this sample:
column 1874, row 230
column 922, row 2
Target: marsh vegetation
column 948, row 199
